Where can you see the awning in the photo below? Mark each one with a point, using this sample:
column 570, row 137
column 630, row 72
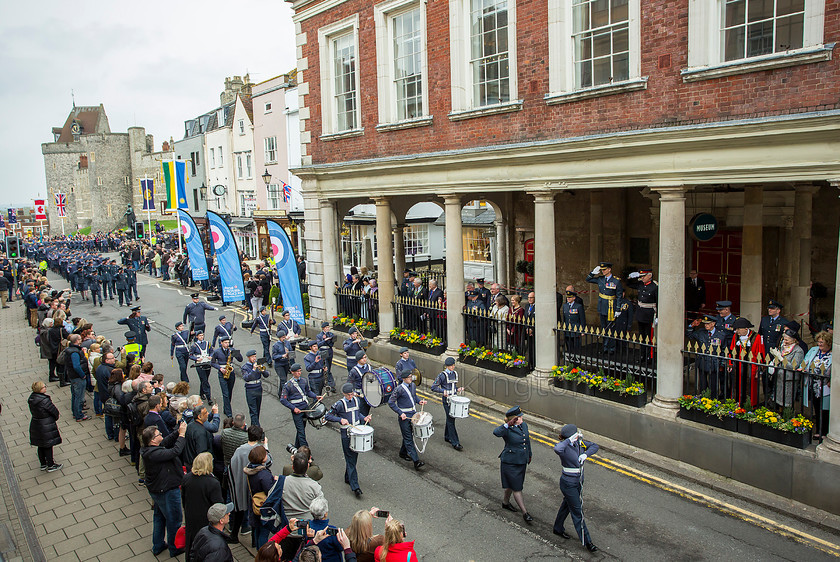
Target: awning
column 241, row 223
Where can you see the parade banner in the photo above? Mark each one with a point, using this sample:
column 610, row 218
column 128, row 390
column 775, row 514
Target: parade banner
column 61, row 204
column 147, row 189
column 284, row 257
column 40, row 212
column 195, row 247
column 227, row 256
column 12, row 216
column 175, row 179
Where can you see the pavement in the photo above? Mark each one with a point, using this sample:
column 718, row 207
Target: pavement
column 637, row 506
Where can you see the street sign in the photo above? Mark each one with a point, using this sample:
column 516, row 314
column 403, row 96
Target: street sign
column 703, row 227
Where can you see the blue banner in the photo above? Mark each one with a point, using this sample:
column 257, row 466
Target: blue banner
column 284, row 258
column 195, row 247
column 227, row 256
column 147, row 189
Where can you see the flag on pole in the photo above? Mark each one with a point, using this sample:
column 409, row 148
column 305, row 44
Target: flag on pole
column 147, row 189
column 2, row 222
column 287, row 192
column 195, row 247
column 227, row 256
column 40, row 212
column 283, row 256
column 175, row 179
column 12, row 216
column 61, row 204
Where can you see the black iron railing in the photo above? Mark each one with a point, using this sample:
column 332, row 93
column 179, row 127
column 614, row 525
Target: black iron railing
column 422, row 316
column 513, row 333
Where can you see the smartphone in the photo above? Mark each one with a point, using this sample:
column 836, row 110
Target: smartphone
column 382, row 513
column 332, row 531
column 302, row 525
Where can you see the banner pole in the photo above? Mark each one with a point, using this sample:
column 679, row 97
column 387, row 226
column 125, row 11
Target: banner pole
column 177, row 214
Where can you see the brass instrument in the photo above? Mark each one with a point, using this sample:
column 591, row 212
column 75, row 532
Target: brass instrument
column 416, row 377
column 228, row 367
column 260, row 367
column 364, row 344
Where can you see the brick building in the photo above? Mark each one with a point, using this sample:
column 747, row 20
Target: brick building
column 596, row 129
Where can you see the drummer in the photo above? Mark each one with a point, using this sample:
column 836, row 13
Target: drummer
column 347, row 411
column 357, row 375
column 446, row 383
column 404, row 402
column 404, row 364
column 314, row 364
column 293, row 396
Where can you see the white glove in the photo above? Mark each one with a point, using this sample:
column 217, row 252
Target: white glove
column 573, row 439
column 776, row 353
column 634, row 275
column 596, row 270
column 582, row 458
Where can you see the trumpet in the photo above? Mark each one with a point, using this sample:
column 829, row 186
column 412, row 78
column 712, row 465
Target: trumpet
column 260, row 367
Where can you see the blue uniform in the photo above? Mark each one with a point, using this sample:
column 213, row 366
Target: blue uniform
column 179, row 348
column 573, row 315
column 282, row 353
column 223, row 330
column 709, row 367
column 350, row 410
column 198, row 349
column 515, row 456
column 139, row 325
column 194, row 312
column 121, row 286
column 570, row 484
column 609, row 290
column 263, row 323
column 131, row 281
column 218, row 361
column 727, row 323
column 404, row 365
column 94, row 285
column 351, row 347
column 289, row 326
column 253, row 390
column 447, row 381
column 771, row 329
column 326, row 341
column 314, row 365
column 404, row 401
column 293, row 396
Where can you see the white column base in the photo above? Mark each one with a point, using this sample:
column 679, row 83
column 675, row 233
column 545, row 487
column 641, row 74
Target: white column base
column 665, row 408
column 829, row 450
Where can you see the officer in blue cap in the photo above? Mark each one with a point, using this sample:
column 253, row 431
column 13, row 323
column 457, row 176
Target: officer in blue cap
column 446, row 384
column 610, row 289
column 179, row 349
column 314, row 365
column 515, row 458
column 711, row 340
column 772, row 326
column 573, row 451
column 252, row 374
column 294, row 397
column 348, row 412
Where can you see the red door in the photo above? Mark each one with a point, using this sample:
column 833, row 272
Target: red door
column 529, row 257
column 718, row 263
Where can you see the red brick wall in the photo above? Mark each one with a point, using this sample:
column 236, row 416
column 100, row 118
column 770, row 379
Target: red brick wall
column 666, row 102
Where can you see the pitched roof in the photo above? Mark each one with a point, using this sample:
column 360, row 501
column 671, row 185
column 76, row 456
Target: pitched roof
column 91, row 119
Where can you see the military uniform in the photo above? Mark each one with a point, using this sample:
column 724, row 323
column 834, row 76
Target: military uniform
column 94, row 285
column 648, row 296
column 447, row 381
column 326, row 341
column 218, row 361
column 200, row 348
column 223, row 330
column 516, row 455
column 404, row 401
column 194, row 313
column 179, row 349
column 263, row 324
column 282, row 353
column 131, row 281
column 314, row 365
column 121, row 286
column 139, row 325
column 253, row 388
column 351, row 348
column 573, row 452
column 609, row 290
column 294, row 395
column 355, row 377
column 573, row 314
column 771, row 328
column 348, row 409
column 709, row 366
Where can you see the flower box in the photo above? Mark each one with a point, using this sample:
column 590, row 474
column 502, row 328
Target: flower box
column 634, row 400
column 495, row 366
column 435, row 350
column 574, row 386
column 789, row 438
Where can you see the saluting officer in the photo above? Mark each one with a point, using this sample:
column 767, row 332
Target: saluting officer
column 648, row 296
column 223, row 330
column 446, row 383
column 326, row 341
column 293, row 396
column 252, row 375
column 404, row 402
column 609, row 288
column 357, row 375
column 218, row 360
column 200, row 353
column 514, row 459
column 347, row 412
column 194, row 313
column 573, row 314
column 138, row 324
column 179, row 349
column 772, row 326
column 573, row 451
column 314, row 365
column 263, row 321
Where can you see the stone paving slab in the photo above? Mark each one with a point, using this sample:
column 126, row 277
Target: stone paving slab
column 92, row 509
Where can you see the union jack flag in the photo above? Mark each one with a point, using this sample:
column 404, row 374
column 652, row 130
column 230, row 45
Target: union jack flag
column 61, row 204
column 287, row 192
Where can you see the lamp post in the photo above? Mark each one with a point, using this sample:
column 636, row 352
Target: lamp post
column 202, row 192
column 266, row 177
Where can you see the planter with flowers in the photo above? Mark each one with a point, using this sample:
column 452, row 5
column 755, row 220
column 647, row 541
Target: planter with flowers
column 427, row 343
column 493, row 360
column 624, row 391
column 343, row 323
column 785, row 429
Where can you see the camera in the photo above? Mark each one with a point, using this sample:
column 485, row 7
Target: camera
column 382, row 513
column 331, row 531
column 291, row 448
column 302, row 525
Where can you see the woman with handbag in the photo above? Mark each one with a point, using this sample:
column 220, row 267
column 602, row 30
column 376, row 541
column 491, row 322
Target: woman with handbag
column 260, row 482
column 43, row 429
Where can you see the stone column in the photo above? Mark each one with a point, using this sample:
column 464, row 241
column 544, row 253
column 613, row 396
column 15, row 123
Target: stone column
column 671, row 308
column 399, row 250
column 385, row 266
column 501, row 253
column 454, row 275
column 596, row 239
column 329, row 255
column 751, row 253
column 545, row 282
column 800, row 282
column 829, row 449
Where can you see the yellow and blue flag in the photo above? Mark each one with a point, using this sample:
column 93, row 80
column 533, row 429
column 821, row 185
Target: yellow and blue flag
column 175, row 178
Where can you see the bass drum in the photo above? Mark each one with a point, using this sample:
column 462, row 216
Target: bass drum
column 378, row 386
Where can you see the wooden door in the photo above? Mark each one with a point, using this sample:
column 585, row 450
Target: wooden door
column 718, row 263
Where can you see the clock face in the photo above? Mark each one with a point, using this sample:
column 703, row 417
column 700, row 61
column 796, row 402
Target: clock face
column 74, row 128
column 219, row 190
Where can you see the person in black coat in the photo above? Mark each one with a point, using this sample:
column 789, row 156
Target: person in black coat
column 43, row 429
column 211, row 543
column 515, row 458
column 199, row 490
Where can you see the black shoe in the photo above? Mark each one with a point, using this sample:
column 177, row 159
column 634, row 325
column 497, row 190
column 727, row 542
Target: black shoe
column 125, row 452
column 233, row 540
column 563, row 534
column 64, row 384
column 156, row 552
column 178, row 552
column 358, row 492
column 405, row 457
column 458, row 447
column 54, row 467
column 54, row 379
column 418, row 464
column 527, row 517
column 509, row 507
column 591, row 547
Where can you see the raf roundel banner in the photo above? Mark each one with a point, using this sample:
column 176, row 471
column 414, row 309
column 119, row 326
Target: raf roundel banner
column 227, row 256
column 195, row 248
column 287, row 274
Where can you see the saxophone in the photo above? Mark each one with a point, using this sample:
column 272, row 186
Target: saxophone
column 228, row 367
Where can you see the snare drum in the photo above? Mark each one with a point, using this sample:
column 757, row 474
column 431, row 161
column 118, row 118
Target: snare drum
column 459, row 407
column 378, row 386
column 361, row 438
column 316, row 415
column 423, row 428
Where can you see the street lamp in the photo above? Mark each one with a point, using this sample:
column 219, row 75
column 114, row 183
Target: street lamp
column 266, row 177
column 203, row 191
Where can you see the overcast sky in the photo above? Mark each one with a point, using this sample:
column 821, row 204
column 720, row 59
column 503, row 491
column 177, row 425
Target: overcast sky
column 152, row 64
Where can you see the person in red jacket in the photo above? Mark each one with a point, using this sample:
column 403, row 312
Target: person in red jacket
column 395, row 548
